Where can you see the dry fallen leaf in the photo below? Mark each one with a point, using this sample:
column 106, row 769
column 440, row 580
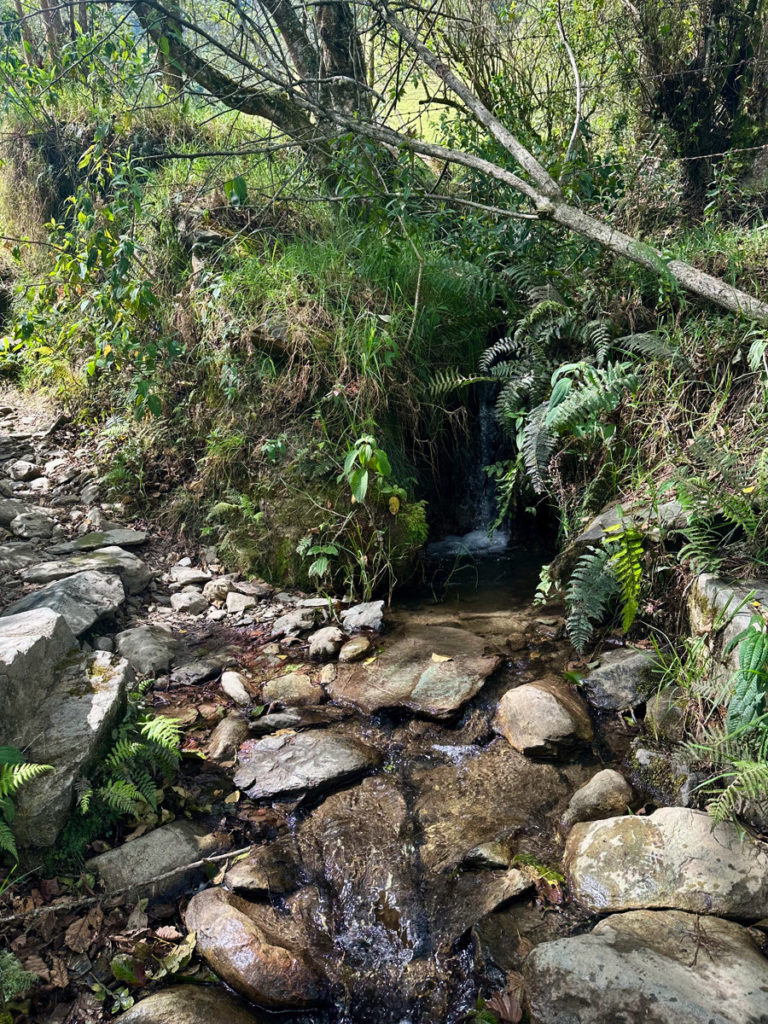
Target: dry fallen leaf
column 442, row 657
column 168, row 933
column 59, row 976
column 82, row 932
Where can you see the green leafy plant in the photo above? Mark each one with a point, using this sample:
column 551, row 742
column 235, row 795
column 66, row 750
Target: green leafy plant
column 144, row 754
column 14, row 982
column 15, row 772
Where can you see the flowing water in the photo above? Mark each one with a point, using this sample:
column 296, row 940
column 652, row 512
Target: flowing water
column 410, row 902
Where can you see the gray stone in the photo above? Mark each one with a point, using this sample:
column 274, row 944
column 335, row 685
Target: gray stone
column 104, row 643
column 254, row 588
column 356, row 649
column 719, row 611
column 188, row 576
column 23, row 470
column 261, row 952
column 192, row 1004
column 82, row 599
column 167, row 851
column 72, row 724
column 134, row 573
column 543, row 718
column 624, row 679
column 665, row 775
column 10, row 508
column 326, row 643
column 239, row 603
column 297, row 718
column 488, row 855
column 672, row 858
column 150, row 649
column 117, row 537
column 227, row 737
column 293, row 689
column 653, row 967
column 606, row 794
column 189, row 602
column 32, row 525
column 300, row 620
column 32, row 644
column 16, row 555
column 302, row 763
column 199, row 670
column 233, row 684
column 369, row 615
column 432, row 670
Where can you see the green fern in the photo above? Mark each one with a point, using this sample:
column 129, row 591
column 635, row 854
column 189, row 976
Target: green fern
column 750, row 684
column 590, row 590
column 15, row 772
column 538, row 444
column 625, row 546
column 14, row 980
column 744, row 783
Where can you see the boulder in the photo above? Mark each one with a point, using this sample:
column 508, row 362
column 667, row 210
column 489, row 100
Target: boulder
column 301, row 763
column 134, row 573
column 625, row 678
column 32, row 644
column 24, row 470
column 189, row 602
column 150, row 649
column 260, row 952
column 543, row 718
column 326, row 643
column 607, row 793
column 293, row 689
column 217, row 589
column 672, row 858
column 369, row 615
column 157, row 862
column 239, row 603
column 653, row 967
column 233, row 685
column 193, row 1004
column 432, row 670
column 227, row 737
column 82, row 599
column 35, row 525
column 71, row 726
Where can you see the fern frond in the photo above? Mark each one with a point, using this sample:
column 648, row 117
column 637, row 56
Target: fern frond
column 121, row 796
column 443, row 382
column 7, row 840
column 590, row 589
column 652, row 345
column 538, row 443
column 625, row 547
column 746, row 782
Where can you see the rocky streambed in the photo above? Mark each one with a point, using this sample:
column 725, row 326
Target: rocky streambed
column 402, row 809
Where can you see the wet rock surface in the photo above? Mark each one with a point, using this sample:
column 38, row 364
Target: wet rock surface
column 193, row 1004
column 544, row 718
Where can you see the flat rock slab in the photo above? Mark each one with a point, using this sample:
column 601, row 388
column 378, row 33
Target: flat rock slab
column 108, row 538
column 259, row 951
column 672, row 858
column 32, row 645
column 33, row 525
column 411, row 671
column 193, row 1004
column 166, row 852
column 300, row 763
column 72, row 725
column 150, row 649
column 653, row 967
column 199, row 669
column 82, row 599
column 134, row 573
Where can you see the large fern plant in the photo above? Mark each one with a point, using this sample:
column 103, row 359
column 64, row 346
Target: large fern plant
column 15, row 772
column 145, row 753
